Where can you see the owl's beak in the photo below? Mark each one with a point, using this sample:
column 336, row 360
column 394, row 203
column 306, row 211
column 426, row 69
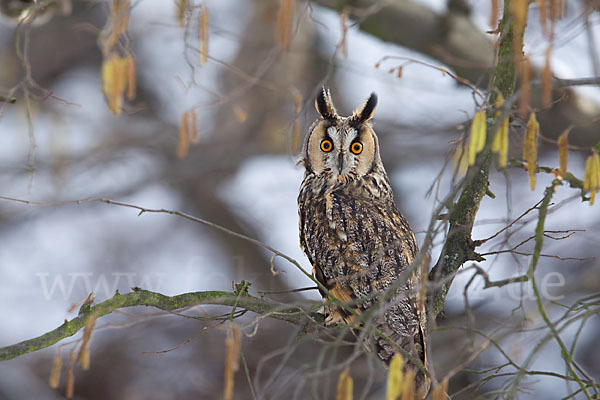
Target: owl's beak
column 340, row 163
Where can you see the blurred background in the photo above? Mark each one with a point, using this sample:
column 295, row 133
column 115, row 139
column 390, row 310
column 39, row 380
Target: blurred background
column 253, row 101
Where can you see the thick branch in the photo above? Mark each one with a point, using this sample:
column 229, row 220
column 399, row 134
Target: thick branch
column 139, row 297
column 459, row 246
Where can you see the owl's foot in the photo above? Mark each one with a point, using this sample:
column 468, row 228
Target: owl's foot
column 334, row 317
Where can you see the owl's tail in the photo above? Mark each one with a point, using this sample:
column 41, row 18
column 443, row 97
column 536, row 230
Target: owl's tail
column 397, row 331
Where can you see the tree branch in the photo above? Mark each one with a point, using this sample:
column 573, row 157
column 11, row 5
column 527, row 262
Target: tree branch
column 453, row 39
column 239, row 299
column 190, row 217
column 539, row 240
column 560, row 83
column 10, row 100
column 459, row 246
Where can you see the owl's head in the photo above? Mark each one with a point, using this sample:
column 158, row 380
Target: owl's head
column 344, row 148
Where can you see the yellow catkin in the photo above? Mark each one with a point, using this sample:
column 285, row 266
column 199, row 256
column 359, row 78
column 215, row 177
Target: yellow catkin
column 595, row 181
column 481, row 128
column 283, row 35
column 108, row 80
column 395, row 378
column 181, row 7
column 445, row 386
column 530, row 148
column 494, row 13
column 478, row 135
column 408, row 390
column 556, row 8
column 130, row 68
column 114, row 22
column 89, row 328
column 110, row 84
column 343, row 46
column 83, row 358
column 591, row 181
column 503, row 138
column 194, row 122
column 500, row 143
column 297, row 101
column 547, row 80
column 123, row 16
column 461, row 159
column 184, row 136
column 563, row 152
column 296, row 135
column 122, row 69
column 73, row 307
column 115, row 74
column 399, row 71
column 70, row 388
column 525, row 98
column 542, row 13
column 240, row 114
column 499, row 104
column 588, row 174
column 119, row 20
column 203, row 34
column 345, row 386
column 56, row 370
column 518, row 10
column 232, row 357
column 440, row 391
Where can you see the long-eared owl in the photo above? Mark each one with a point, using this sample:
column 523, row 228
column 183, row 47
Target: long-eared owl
column 354, row 236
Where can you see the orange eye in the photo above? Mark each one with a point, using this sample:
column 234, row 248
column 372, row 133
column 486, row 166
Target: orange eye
column 356, row 147
column 326, row 145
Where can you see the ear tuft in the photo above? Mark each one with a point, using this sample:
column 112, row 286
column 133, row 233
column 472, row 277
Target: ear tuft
column 324, row 104
column 366, row 110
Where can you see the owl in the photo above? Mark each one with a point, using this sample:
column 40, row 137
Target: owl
column 354, row 236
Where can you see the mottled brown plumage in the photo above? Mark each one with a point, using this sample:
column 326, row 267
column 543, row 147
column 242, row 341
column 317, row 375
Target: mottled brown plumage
column 353, row 234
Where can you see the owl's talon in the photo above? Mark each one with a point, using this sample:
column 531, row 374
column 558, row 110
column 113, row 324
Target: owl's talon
column 330, row 320
column 333, row 318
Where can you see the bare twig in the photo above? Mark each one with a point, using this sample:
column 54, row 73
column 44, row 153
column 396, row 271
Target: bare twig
column 276, row 253
column 558, row 83
column 143, row 210
column 539, row 239
column 482, row 241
